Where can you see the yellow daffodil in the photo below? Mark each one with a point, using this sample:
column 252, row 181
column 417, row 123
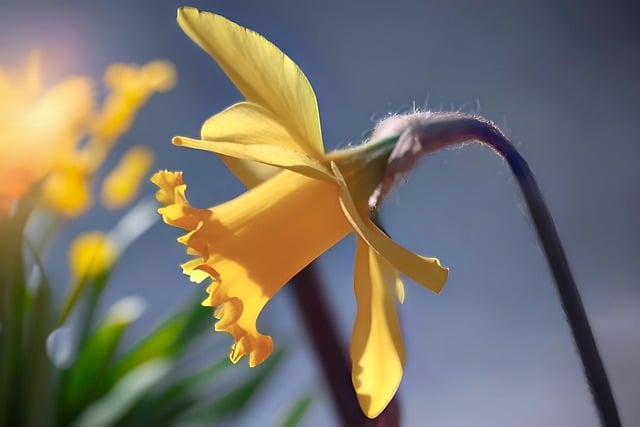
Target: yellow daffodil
column 130, row 86
column 41, row 133
column 296, row 208
column 67, row 189
column 37, row 127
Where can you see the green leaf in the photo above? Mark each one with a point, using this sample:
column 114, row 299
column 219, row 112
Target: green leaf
column 12, row 307
column 162, row 408
column 108, row 410
column 170, row 339
column 37, row 394
column 296, row 412
column 84, row 380
column 236, row 399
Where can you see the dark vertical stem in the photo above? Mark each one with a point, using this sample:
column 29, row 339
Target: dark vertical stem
column 453, row 128
column 332, row 354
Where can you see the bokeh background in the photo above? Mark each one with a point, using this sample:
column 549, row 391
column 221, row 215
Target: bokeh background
column 559, row 77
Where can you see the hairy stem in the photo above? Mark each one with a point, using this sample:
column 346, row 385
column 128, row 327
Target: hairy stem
column 433, row 131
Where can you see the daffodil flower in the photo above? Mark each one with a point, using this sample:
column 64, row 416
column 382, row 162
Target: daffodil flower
column 41, row 133
column 301, row 201
column 37, row 127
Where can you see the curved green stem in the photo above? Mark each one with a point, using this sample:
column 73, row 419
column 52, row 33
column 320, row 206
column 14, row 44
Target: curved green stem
column 440, row 129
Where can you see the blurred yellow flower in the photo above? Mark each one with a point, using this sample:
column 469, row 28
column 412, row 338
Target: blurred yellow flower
column 91, row 254
column 123, row 182
column 37, row 127
column 56, row 136
column 67, row 189
column 130, row 87
column 300, row 205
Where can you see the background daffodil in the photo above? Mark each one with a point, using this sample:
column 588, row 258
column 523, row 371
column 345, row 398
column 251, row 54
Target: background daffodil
column 300, row 204
column 38, row 127
column 55, row 137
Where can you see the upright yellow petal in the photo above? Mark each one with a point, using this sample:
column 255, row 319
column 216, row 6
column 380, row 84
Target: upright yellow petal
column 423, row 270
column 377, row 351
column 252, row 245
column 260, row 71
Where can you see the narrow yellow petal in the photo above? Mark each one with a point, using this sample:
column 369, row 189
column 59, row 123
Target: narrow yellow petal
column 121, row 77
column 252, row 245
column 377, row 351
column 425, row 271
column 159, row 75
column 131, row 86
column 262, row 73
column 274, row 155
column 123, row 182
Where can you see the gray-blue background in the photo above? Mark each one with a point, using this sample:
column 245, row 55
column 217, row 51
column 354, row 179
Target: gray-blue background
column 560, row 77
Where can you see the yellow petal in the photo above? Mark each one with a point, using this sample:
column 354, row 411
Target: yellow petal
column 274, row 155
column 118, row 114
column 38, row 129
column 159, row 76
column 170, row 187
column 248, row 172
column 425, row 271
column 171, row 195
column 49, row 127
column 252, row 245
column 122, row 77
column 248, row 123
column 131, row 86
column 377, row 351
column 67, row 192
column 123, row 182
column 262, row 73
column 91, row 254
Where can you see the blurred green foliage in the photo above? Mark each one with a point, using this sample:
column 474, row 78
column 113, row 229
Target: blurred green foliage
column 80, row 373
